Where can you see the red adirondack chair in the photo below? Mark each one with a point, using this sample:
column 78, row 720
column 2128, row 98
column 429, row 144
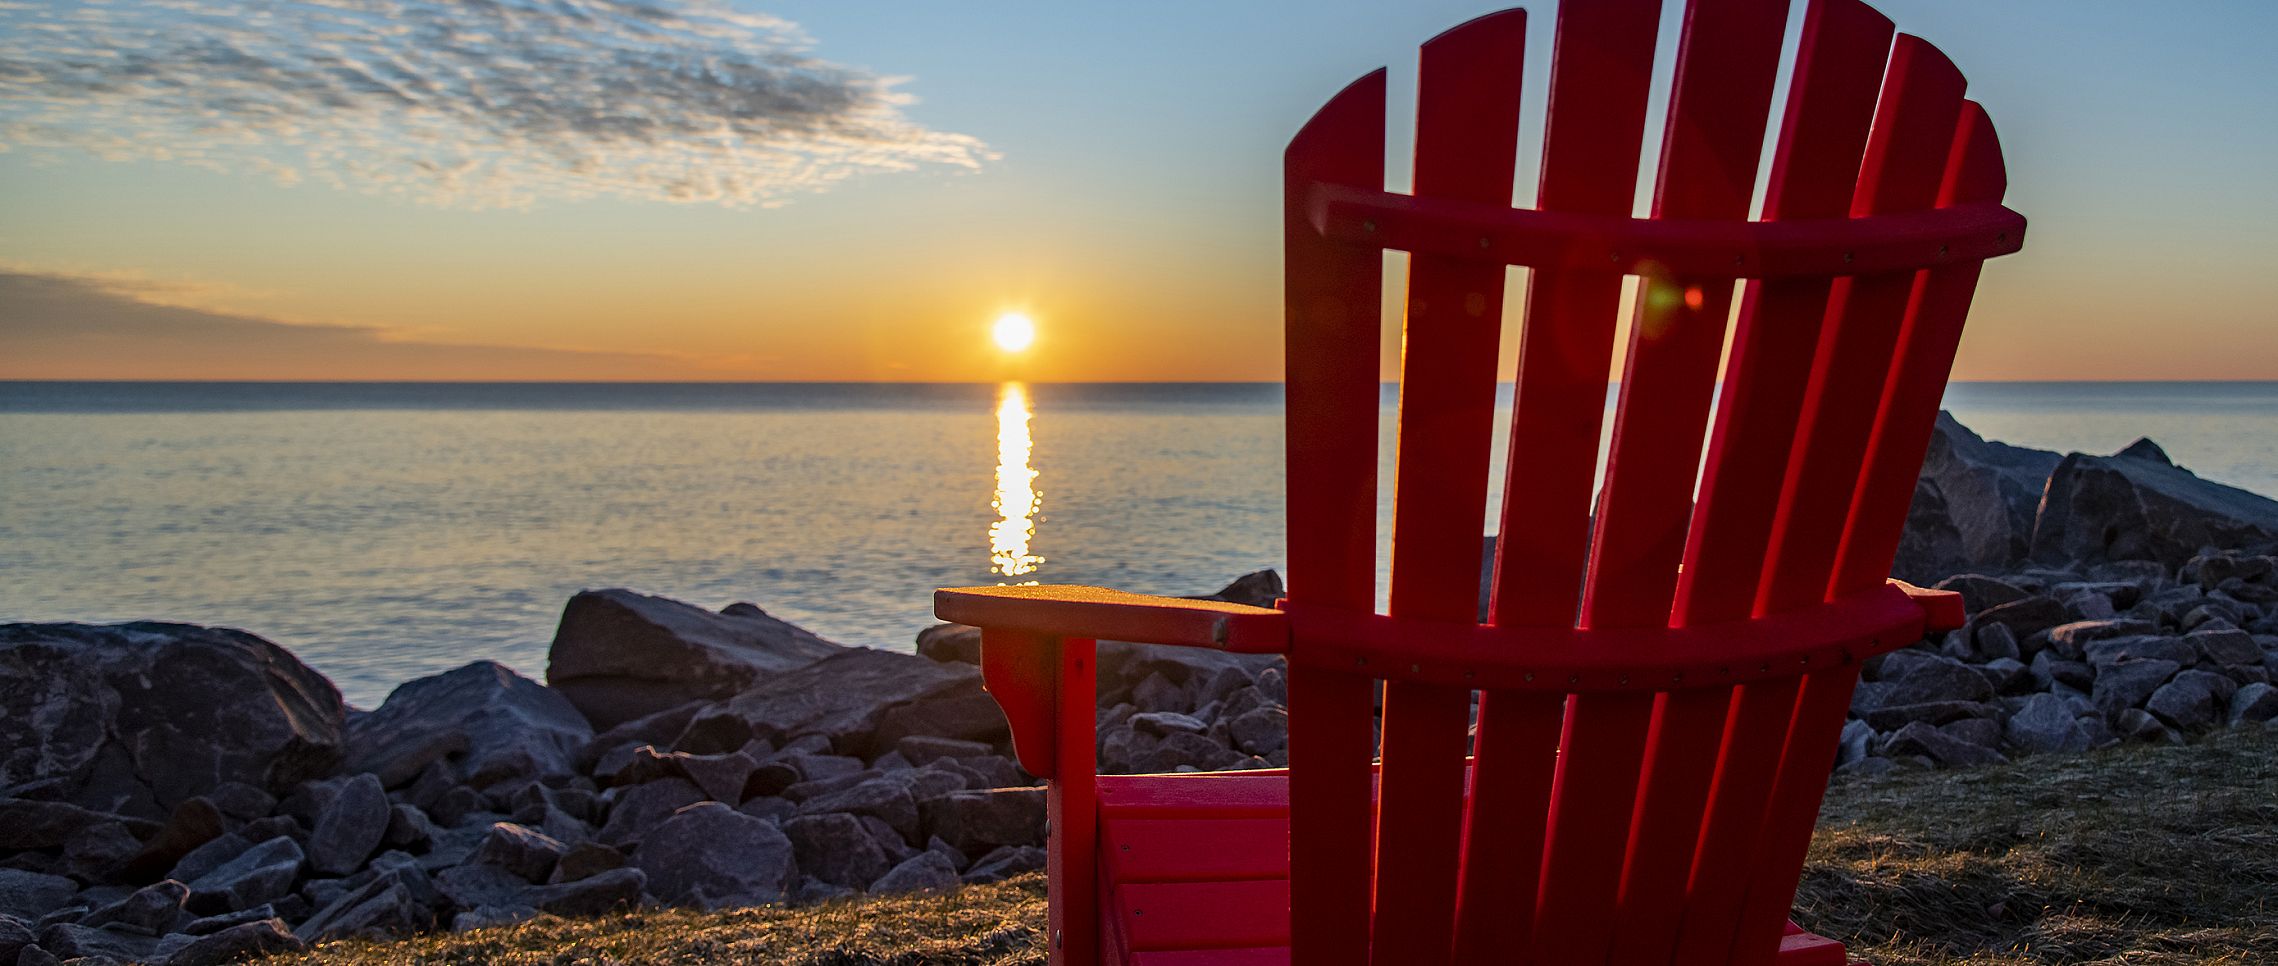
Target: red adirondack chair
column 1660, row 683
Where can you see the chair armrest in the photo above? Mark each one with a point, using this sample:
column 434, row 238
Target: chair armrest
column 1942, row 610
column 1036, row 654
column 1098, row 613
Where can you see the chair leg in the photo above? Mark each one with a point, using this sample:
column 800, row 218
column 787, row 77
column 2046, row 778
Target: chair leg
column 1072, row 814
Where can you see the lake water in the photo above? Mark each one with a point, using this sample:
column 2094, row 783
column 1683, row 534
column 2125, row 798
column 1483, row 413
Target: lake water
column 386, row 531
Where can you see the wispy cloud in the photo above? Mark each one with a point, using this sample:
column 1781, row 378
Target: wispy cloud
column 469, row 102
column 62, row 326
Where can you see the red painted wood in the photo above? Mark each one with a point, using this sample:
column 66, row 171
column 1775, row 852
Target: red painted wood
column 1600, row 70
column 1466, row 149
column 1100, row 613
column 1071, row 813
column 1195, row 850
column 1275, row 956
column 1679, row 247
column 1646, row 782
column 1020, row 669
column 1203, row 915
column 1904, row 163
column 1831, row 100
column 1721, row 93
column 1330, row 361
column 1915, row 122
column 1926, row 344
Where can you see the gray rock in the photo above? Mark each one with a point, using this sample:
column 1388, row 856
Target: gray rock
column 594, row 894
column 923, row 872
column 1938, row 746
column 847, row 698
column 1260, row 731
column 585, row 860
column 1995, row 642
column 1004, row 862
column 961, row 711
column 974, row 822
column 951, row 643
column 71, row 941
column 2113, row 650
column 643, row 807
column 619, row 655
column 887, row 799
column 388, row 905
column 2071, row 640
column 2228, row 647
column 2048, row 670
column 15, row 934
column 351, row 826
column 214, row 924
column 100, row 852
column 1980, row 591
column 155, row 909
column 525, row 852
column 1273, row 683
column 489, row 724
column 2191, row 702
column 250, row 940
column 2128, row 684
column 264, row 872
column 2136, row 724
column 2253, row 704
column 30, row 895
column 2045, row 724
column 721, row 777
column 836, row 848
column 711, row 856
column 408, row 828
column 193, row 823
column 136, row 718
column 1938, row 679
column 1163, row 723
column 1983, row 732
column 1155, row 692
column 2124, row 507
column 920, row 749
column 1974, row 504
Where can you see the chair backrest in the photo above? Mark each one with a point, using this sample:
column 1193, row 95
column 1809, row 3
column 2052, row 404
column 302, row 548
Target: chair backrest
column 1617, row 810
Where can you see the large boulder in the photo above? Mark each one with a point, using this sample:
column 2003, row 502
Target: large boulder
column 2136, row 505
column 619, row 655
column 1974, row 504
column 137, row 718
column 845, row 696
column 485, row 722
column 712, row 856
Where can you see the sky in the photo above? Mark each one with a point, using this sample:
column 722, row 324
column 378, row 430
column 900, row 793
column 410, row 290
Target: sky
column 687, row 189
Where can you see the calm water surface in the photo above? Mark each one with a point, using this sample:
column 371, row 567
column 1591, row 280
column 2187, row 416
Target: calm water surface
column 388, row 531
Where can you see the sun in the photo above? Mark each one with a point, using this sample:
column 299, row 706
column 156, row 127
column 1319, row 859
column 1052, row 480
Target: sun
column 1013, row 332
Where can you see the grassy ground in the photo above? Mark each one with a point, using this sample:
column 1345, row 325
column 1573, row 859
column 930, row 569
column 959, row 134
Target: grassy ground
column 2136, row 856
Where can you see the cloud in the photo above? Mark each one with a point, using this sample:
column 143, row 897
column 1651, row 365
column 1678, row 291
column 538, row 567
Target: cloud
column 55, row 326
column 462, row 102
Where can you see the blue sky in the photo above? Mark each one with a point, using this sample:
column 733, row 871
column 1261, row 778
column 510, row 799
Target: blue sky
column 1111, row 169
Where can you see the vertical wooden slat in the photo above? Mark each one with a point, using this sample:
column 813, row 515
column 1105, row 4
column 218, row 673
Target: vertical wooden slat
column 1332, row 305
column 1907, row 410
column 1727, row 60
column 1926, row 345
column 1734, row 735
column 1466, row 147
column 1904, row 165
column 1071, row 807
column 1600, row 72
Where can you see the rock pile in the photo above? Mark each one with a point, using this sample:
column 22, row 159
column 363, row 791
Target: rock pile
column 191, row 795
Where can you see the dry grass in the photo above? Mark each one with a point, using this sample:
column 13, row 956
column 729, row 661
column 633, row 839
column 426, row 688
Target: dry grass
column 2135, row 856
column 973, row 926
column 2138, row 855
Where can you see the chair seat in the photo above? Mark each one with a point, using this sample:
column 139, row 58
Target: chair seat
column 1194, row 871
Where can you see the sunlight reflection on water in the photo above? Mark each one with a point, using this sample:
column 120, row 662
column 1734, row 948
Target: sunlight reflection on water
column 1017, row 501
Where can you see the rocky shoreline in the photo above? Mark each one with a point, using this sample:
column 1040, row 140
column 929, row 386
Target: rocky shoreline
column 190, row 795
